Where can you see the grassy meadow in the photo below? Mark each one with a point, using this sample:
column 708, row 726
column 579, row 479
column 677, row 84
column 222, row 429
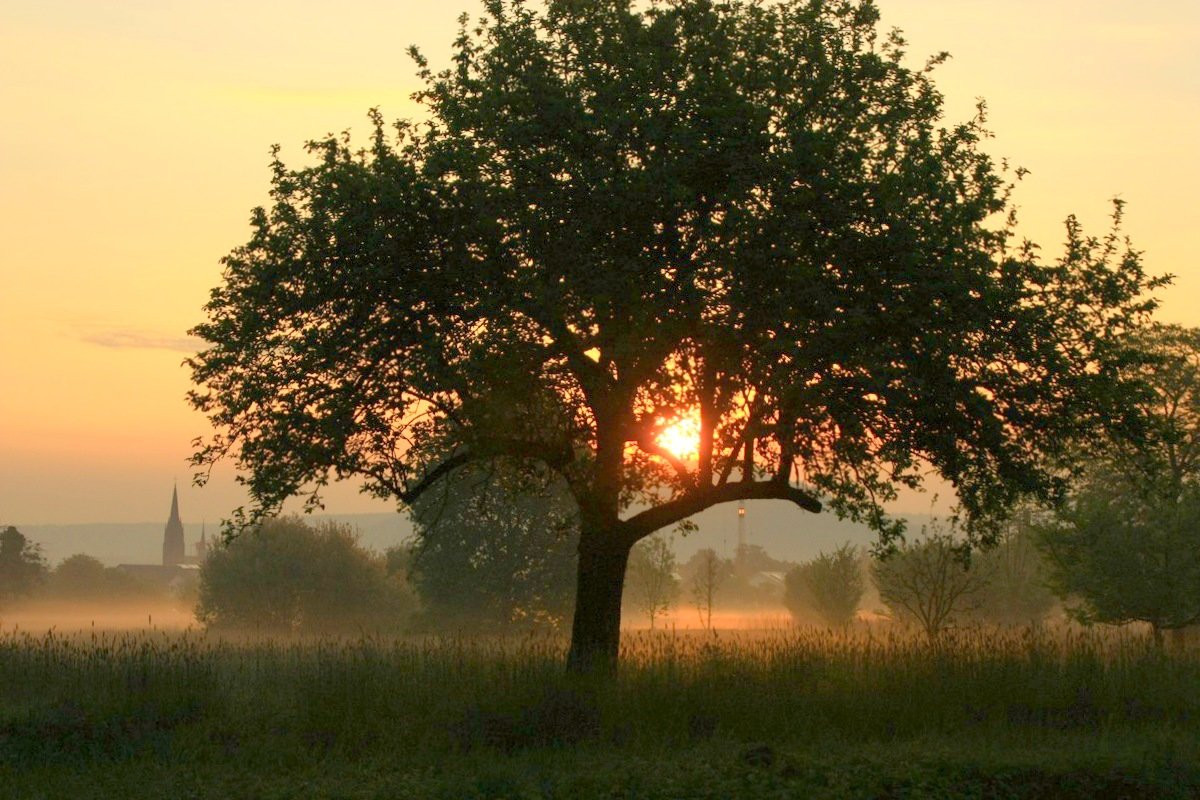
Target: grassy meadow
column 790, row 712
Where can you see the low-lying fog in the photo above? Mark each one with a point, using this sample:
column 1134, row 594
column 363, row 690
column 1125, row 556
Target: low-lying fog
column 38, row 617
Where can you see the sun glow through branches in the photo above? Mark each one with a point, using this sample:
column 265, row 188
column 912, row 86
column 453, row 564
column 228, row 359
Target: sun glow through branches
column 681, row 437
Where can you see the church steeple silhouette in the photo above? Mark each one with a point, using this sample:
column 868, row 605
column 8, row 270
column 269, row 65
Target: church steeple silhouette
column 173, row 550
column 202, row 545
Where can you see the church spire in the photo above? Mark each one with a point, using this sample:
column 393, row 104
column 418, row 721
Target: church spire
column 202, row 545
column 173, row 550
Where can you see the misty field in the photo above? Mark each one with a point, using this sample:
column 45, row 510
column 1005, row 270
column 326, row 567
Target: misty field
column 788, row 712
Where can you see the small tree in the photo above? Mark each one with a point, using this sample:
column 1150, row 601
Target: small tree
column 708, row 572
column 653, row 586
column 746, row 587
column 831, row 586
column 1126, row 547
column 928, row 582
column 495, row 548
column 286, row 576
column 1117, row 558
column 22, row 567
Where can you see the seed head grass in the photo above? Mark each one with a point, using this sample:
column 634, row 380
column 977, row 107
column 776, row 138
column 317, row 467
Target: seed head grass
column 107, row 694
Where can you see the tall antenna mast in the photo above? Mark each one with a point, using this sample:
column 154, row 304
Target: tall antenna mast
column 741, row 527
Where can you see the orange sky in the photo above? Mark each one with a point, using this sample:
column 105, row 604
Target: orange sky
column 134, row 144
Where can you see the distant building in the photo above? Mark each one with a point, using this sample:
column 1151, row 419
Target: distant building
column 775, row 580
column 177, row 569
column 202, row 546
column 173, row 548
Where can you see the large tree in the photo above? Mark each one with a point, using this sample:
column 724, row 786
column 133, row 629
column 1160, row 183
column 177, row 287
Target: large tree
column 613, row 217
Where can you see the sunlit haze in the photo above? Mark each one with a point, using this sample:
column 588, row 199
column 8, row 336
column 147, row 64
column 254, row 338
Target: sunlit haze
column 681, row 438
column 136, row 142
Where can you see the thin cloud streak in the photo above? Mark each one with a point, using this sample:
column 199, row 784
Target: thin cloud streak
column 144, row 340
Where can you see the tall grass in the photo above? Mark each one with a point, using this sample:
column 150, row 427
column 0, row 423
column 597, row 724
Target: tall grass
column 112, row 695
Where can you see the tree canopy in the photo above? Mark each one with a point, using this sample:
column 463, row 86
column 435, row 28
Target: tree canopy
column 614, row 216
column 83, row 577
column 1117, row 557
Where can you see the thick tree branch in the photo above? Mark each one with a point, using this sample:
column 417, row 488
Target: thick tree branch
column 492, row 447
column 410, row 494
column 591, row 375
column 652, row 519
column 787, row 458
column 643, row 432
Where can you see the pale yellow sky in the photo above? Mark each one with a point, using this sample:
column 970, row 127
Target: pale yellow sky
column 134, row 139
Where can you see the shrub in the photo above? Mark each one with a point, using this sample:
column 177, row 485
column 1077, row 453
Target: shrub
column 287, row 576
column 830, row 586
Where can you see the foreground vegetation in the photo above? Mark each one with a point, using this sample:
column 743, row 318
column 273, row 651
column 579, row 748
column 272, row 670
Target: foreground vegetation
column 789, row 712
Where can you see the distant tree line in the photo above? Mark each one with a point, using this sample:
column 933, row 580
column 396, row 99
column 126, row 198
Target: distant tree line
column 25, row 576
column 22, row 567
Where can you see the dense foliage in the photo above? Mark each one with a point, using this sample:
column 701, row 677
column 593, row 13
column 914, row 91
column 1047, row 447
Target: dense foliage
column 1127, row 545
column 1116, row 557
column 830, row 587
column 84, row 578
column 616, row 215
column 494, row 551
column 287, row 576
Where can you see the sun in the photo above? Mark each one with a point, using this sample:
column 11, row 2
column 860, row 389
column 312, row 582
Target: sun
column 681, row 437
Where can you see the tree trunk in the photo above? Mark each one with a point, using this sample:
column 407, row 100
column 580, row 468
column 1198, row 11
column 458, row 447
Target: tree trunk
column 596, row 631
